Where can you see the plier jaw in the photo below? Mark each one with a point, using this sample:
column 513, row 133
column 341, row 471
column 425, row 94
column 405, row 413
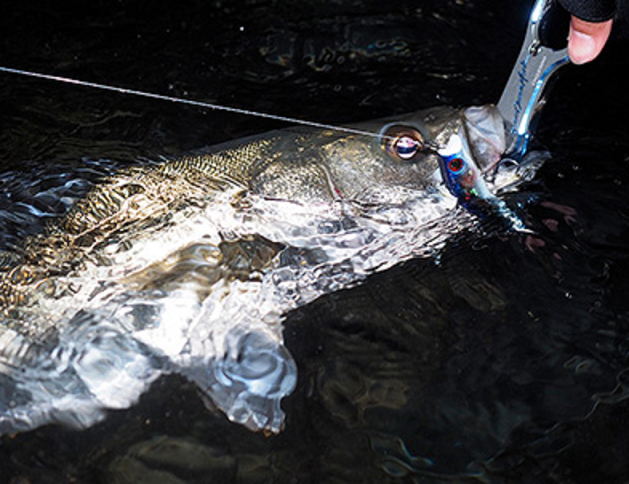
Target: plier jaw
column 543, row 53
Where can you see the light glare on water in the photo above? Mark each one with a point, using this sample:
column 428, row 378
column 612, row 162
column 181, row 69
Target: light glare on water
column 197, row 294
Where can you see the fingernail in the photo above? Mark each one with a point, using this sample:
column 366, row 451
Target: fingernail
column 582, row 47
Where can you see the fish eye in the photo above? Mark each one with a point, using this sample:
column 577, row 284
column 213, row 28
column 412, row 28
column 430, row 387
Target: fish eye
column 402, row 143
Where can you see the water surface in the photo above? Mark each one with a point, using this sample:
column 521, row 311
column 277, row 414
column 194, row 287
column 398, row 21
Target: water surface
column 505, row 362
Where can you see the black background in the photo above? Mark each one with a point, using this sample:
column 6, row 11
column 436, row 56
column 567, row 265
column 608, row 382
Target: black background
column 506, row 362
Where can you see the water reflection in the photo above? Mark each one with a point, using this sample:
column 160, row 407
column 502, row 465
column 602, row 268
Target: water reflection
column 190, row 265
column 415, row 377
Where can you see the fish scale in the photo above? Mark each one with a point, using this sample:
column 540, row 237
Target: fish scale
column 189, row 266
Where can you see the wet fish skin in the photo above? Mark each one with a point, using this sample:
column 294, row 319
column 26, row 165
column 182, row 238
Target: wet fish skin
column 77, row 259
column 301, row 165
column 329, row 166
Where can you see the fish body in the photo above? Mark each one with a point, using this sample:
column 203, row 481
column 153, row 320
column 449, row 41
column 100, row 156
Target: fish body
column 189, row 265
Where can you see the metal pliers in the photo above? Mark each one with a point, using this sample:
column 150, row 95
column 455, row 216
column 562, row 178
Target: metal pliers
column 543, row 52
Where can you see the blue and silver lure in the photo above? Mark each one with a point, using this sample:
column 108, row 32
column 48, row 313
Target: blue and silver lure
column 466, row 182
column 463, row 178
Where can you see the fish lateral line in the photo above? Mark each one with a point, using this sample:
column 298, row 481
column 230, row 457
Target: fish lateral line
column 191, row 102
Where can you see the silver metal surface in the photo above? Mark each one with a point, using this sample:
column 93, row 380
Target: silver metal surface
column 523, row 94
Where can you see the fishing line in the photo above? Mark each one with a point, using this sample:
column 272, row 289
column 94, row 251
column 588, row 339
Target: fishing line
column 190, row 102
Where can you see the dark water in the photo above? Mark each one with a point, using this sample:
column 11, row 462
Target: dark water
column 505, row 363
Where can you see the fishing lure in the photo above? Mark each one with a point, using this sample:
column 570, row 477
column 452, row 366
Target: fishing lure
column 466, row 182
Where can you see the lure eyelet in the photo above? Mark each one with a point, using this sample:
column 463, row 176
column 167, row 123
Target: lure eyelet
column 402, row 143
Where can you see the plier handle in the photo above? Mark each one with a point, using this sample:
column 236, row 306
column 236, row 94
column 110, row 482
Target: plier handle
column 543, row 52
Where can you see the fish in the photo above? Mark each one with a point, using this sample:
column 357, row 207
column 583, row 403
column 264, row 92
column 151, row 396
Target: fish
column 189, row 265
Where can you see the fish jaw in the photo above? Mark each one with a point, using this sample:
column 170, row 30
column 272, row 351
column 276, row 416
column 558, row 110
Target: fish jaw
column 471, row 158
column 486, row 133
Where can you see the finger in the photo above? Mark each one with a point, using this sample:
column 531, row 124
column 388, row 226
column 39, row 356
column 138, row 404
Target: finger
column 587, row 39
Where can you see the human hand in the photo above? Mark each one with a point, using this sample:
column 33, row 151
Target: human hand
column 587, row 39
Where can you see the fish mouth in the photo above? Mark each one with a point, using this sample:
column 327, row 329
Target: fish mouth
column 485, row 131
column 486, row 135
column 475, row 170
column 477, row 139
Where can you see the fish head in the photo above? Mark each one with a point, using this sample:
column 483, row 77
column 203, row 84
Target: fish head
column 393, row 167
column 418, row 153
column 474, row 163
column 405, row 157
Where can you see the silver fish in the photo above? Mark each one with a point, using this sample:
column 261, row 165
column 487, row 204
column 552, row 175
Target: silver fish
column 189, row 265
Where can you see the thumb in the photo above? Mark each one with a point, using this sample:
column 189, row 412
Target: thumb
column 587, row 39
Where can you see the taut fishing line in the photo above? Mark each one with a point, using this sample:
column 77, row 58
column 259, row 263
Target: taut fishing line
column 190, row 102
